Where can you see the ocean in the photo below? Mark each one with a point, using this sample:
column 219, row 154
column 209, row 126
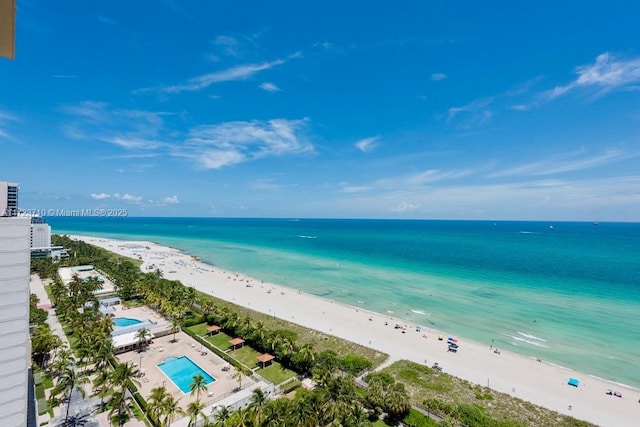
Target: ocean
column 565, row 292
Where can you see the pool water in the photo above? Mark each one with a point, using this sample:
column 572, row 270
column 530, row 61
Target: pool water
column 125, row 321
column 181, row 371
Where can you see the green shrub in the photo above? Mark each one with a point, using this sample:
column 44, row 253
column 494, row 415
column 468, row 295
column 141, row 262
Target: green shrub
column 354, row 365
column 416, row 419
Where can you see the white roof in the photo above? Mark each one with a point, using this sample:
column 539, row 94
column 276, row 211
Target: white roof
column 124, row 340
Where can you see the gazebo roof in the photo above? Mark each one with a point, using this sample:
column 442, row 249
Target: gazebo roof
column 213, row 328
column 266, row 357
column 236, row 341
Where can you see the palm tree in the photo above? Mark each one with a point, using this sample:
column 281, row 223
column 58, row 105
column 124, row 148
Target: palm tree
column 170, row 408
column 198, row 385
column 397, row 401
column 222, row 415
column 121, row 375
column 69, row 381
column 239, row 375
column 155, row 402
column 194, row 410
column 175, row 325
column 258, row 401
column 142, row 336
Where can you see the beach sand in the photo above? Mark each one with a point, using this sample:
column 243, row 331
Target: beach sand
column 538, row 382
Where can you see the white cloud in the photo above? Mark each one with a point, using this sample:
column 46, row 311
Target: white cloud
column 564, row 163
column 520, row 107
column 474, row 113
column 230, row 45
column 607, row 74
column 368, row 144
column 128, row 198
column 129, row 129
column 5, row 118
column 405, row 207
column 100, row 196
column 225, row 144
column 171, row 200
column 269, row 87
column 240, row 72
column 436, row 77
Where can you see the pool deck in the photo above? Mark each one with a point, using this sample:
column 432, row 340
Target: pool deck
column 163, row 347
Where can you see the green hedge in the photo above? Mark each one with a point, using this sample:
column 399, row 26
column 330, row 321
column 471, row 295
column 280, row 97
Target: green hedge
column 42, row 406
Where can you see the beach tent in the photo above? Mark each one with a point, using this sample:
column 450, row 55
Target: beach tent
column 574, row 382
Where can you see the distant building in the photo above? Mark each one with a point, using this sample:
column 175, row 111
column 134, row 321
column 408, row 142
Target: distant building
column 40, row 233
column 8, row 198
column 15, row 349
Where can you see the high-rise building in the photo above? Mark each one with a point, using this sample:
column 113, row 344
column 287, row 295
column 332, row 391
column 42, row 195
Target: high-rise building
column 8, row 198
column 40, row 234
column 15, row 351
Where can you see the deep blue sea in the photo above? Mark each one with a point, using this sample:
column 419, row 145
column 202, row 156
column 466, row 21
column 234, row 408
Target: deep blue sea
column 565, row 292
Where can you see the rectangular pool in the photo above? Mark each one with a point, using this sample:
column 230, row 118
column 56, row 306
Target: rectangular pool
column 181, row 370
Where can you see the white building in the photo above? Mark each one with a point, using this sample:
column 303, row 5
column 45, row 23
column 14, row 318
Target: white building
column 40, row 233
column 15, row 349
column 8, row 198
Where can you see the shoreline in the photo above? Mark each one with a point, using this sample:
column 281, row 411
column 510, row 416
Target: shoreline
column 539, row 382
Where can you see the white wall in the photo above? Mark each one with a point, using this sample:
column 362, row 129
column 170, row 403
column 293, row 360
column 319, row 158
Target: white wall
column 15, row 351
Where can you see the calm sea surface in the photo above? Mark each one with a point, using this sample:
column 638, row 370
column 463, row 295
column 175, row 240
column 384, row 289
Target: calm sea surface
column 565, row 292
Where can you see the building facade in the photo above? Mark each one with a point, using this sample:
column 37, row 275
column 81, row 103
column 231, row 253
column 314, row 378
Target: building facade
column 15, row 349
column 8, row 198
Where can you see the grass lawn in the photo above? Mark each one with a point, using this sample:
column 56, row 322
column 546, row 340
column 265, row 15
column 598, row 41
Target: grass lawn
column 199, row 329
column 380, row 423
column 276, row 374
column 220, row 340
column 246, row 355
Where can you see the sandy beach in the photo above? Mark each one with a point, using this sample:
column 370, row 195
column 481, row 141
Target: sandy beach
column 539, row 382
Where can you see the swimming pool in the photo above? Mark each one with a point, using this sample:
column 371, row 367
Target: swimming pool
column 125, row 321
column 181, row 371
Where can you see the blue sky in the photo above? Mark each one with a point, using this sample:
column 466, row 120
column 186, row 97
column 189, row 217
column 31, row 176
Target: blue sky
column 410, row 109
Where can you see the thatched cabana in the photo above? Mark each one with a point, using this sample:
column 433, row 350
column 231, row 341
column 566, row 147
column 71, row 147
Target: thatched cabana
column 236, row 342
column 265, row 359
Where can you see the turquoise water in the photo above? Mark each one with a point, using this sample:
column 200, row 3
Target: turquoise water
column 565, row 292
column 125, row 321
column 181, row 371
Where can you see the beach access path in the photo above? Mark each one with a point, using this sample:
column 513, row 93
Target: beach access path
column 538, row 382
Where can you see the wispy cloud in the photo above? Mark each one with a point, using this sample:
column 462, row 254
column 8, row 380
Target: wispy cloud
column 136, row 200
column 230, row 45
column 436, row 77
column 474, row 113
column 64, row 76
column 269, row 184
column 5, row 119
column 225, row 144
column 126, row 128
column 269, row 87
column 570, row 162
column 520, row 107
column 368, row 144
column 608, row 73
column 240, row 72
column 106, row 20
